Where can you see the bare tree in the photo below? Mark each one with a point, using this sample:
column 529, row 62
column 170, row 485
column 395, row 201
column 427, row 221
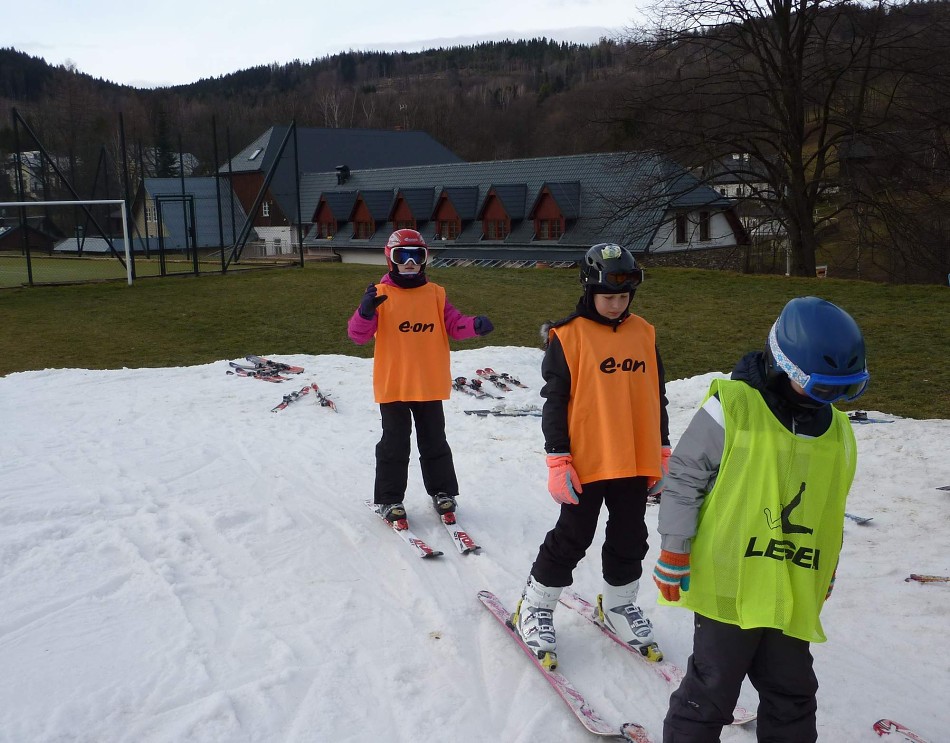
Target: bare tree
column 789, row 84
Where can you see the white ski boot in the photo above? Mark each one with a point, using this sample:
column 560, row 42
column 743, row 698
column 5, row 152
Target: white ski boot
column 534, row 621
column 618, row 611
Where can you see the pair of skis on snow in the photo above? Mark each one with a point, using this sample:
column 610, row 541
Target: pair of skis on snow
column 593, row 721
column 460, row 538
column 267, row 370
column 303, row 392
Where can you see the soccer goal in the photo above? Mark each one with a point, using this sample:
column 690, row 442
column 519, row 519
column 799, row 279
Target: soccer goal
column 25, row 248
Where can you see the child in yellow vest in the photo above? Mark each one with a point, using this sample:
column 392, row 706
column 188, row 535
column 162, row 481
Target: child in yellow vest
column 606, row 434
column 752, row 521
column 412, row 322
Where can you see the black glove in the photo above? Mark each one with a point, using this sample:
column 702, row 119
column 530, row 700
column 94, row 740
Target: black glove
column 370, row 302
column 482, row 325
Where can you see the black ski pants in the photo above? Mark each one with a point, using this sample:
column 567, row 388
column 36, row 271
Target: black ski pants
column 392, row 451
column 779, row 667
column 625, row 542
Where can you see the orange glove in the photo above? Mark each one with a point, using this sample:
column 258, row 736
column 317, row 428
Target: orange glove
column 655, row 484
column 563, row 482
column 672, row 574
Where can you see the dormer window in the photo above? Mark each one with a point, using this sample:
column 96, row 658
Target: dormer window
column 549, row 229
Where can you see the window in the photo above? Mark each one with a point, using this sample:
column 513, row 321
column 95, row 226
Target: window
column 325, row 229
column 151, row 215
column 681, row 228
column 448, row 229
column 363, row 230
column 704, row 226
column 278, row 247
column 549, row 229
column 404, row 224
column 495, row 229
column 265, row 209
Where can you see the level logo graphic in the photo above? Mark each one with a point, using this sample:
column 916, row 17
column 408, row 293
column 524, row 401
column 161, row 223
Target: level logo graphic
column 786, row 549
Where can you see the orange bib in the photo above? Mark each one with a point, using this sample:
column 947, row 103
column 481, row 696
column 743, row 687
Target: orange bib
column 411, row 362
column 614, row 410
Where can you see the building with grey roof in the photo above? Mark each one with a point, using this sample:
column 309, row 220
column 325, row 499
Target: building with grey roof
column 518, row 211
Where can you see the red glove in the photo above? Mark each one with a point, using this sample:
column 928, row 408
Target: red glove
column 655, row 484
column 671, row 574
column 563, row 482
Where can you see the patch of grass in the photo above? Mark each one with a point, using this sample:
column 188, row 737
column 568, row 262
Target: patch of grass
column 705, row 320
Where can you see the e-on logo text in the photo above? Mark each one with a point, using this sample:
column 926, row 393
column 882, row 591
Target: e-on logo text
column 611, row 365
column 416, row 327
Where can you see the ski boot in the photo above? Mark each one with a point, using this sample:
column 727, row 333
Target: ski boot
column 392, row 512
column 533, row 620
column 617, row 611
column 443, row 503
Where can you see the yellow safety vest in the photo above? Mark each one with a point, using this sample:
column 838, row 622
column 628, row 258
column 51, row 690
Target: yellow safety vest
column 769, row 532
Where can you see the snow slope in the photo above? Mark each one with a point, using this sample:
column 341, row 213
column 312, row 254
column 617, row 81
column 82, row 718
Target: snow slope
column 177, row 563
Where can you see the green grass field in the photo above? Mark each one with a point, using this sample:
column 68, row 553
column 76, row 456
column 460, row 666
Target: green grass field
column 67, row 269
column 705, row 320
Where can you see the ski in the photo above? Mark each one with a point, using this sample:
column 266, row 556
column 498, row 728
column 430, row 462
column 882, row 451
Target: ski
column 324, row 400
column 291, row 398
column 944, row 487
column 460, row 538
column 862, row 520
column 918, row 578
column 260, row 362
column 493, row 378
column 888, row 727
column 670, row 673
column 506, row 377
column 401, row 527
column 470, row 387
column 264, row 376
column 505, row 412
column 587, row 716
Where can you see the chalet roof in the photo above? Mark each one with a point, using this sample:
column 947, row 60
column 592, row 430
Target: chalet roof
column 420, row 201
column 341, row 204
column 379, row 202
column 591, row 187
column 323, row 150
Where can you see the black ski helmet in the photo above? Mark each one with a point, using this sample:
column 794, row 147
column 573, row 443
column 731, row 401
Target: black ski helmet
column 820, row 347
column 608, row 268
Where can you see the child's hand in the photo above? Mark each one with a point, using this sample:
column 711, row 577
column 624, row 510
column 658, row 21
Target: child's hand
column 370, row 302
column 672, row 574
column 563, row 482
column 482, row 325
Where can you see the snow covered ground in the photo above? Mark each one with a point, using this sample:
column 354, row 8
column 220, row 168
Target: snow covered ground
column 177, row 563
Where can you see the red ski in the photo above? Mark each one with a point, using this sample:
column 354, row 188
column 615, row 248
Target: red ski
column 889, row 727
column 587, row 716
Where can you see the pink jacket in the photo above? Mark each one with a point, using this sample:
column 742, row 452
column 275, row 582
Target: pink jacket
column 458, row 326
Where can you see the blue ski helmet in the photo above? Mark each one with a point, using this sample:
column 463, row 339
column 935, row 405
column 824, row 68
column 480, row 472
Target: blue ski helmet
column 820, row 347
column 610, row 269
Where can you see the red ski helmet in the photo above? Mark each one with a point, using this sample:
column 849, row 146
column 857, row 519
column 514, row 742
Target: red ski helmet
column 405, row 238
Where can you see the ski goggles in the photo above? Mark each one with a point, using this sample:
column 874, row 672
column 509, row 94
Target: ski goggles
column 415, row 254
column 620, row 281
column 824, row 388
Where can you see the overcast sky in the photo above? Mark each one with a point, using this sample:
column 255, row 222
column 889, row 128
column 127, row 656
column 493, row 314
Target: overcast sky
column 176, row 42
